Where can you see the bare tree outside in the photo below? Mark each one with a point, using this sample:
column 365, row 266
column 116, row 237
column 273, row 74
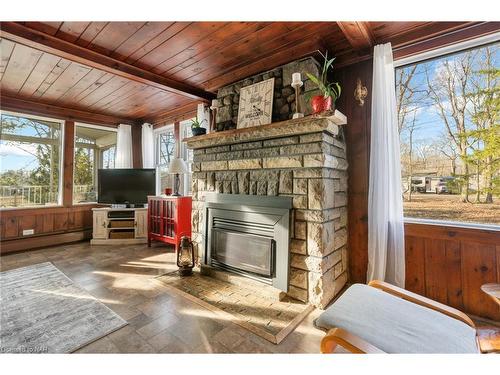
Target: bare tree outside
column 448, row 121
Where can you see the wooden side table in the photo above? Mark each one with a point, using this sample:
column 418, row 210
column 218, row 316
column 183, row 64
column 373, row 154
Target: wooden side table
column 492, row 290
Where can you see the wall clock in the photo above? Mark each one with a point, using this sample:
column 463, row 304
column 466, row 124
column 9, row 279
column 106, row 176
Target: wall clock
column 256, row 104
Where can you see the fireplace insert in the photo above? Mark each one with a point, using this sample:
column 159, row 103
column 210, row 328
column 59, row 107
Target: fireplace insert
column 249, row 235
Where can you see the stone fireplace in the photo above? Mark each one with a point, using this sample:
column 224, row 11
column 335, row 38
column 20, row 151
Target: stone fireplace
column 303, row 160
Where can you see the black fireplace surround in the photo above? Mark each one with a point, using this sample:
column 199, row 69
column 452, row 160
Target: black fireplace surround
column 249, row 235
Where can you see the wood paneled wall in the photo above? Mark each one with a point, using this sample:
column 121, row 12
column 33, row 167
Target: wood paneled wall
column 357, row 132
column 449, row 265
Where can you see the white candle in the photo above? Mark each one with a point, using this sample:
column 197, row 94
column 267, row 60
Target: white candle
column 296, row 78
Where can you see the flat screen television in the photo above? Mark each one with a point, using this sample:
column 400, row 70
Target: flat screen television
column 125, row 186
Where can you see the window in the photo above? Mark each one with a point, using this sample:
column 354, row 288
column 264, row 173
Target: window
column 448, row 121
column 95, row 147
column 166, row 144
column 30, row 171
column 165, row 151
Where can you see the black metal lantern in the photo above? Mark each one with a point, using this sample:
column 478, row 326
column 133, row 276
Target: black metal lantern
column 185, row 256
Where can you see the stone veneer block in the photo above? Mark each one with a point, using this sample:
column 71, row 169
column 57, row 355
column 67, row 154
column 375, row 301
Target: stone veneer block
column 304, row 159
column 245, row 164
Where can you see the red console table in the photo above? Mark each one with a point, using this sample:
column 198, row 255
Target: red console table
column 169, row 218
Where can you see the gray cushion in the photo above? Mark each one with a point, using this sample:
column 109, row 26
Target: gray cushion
column 395, row 325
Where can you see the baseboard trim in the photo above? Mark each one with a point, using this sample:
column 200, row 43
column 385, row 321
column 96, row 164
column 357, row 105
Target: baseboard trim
column 31, row 243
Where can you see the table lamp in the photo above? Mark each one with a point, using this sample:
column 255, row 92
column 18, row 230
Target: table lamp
column 177, row 166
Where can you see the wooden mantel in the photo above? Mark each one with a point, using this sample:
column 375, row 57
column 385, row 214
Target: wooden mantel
column 303, row 125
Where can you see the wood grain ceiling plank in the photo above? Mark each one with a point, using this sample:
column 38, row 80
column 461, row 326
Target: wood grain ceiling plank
column 157, row 41
column 358, row 34
column 112, row 35
column 104, row 90
column 194, row 63
column 126, row 97
column 42, row 69
column 6, row 48
column 117, row 94
column 37, row 107
column 51, row 77
column 73, row 73
column 180, row 41
column 18, row 33
column 22, row 61
column 213, row 64
column 94, row 86
column 90, row 33
column 149, row 31
column 133, row 101
column 71, row 31
column 210, row 44
column 283, row 42
column 179, row 113
column 294, row 52
column 45, row 27
column 82, row 85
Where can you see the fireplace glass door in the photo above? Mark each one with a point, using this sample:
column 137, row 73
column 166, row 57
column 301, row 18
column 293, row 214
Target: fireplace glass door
column 243, row 251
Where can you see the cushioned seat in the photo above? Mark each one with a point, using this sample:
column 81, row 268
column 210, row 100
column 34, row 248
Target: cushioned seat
column 395, row 325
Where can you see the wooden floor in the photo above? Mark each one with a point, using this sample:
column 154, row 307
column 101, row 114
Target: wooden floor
column 159, row 322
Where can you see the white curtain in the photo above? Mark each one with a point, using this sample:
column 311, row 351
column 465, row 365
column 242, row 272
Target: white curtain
column 148, row 149
column 124, row 147
column 385, row 202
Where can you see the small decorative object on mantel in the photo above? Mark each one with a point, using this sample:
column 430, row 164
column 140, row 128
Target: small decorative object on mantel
column 331, row 91
column 213, row 114
column 256, row 104
column 185, row 257
column 196, row 128
column 297, row 84
column 360, row 93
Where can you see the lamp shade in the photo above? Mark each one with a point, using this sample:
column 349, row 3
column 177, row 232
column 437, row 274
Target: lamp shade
column 177, row 165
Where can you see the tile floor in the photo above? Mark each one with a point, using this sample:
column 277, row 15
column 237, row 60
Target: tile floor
column 159, row 322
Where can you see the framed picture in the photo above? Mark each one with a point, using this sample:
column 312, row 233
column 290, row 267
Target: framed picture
column 256, row 104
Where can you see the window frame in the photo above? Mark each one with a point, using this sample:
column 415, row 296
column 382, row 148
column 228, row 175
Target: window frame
column 433, row 54
column 60, row 192
column 156, row 134
column 97, row 156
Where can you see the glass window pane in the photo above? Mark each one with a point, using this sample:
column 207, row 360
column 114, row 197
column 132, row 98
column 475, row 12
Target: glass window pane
column 30, row 150
column 449, row 126
column 95, row 147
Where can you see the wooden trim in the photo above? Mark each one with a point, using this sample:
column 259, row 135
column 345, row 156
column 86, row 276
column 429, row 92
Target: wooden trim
column 445, row 232
column 44, row 109
column 69, row 157
column 422, row 301
column 36, row 242
column 178, row 114
column 349, row 341
column 358, row 34
column 21, row 34
column 137, row 146
column 462, row 33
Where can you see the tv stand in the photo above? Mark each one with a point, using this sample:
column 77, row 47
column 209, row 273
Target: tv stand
column 119, row 226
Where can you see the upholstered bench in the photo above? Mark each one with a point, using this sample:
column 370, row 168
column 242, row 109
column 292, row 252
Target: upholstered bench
column 384, row 318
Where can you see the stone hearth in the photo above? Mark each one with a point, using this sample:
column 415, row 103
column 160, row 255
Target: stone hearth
column 304, row 159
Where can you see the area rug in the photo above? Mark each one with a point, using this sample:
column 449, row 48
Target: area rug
column 42, row 311
column 256, row 310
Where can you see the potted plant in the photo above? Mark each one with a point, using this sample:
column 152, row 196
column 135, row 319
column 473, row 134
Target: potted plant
column 196, row 127
column 330, row 91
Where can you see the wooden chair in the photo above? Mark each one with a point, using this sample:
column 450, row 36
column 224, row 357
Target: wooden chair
column 343, row 321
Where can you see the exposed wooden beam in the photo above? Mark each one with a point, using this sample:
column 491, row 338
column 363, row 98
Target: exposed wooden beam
column 37, row 108
column 358, row 34
column 24, row 35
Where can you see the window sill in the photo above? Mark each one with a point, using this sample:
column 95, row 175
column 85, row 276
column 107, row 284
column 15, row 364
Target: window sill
column 456, row 224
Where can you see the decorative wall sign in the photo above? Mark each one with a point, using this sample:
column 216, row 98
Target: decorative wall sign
column 360, row 93
column 256, row 104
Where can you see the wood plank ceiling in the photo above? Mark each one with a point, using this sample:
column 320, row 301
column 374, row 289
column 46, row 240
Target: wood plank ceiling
column 137, row 71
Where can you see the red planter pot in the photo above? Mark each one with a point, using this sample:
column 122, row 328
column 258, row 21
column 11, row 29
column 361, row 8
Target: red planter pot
column 321, row 104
